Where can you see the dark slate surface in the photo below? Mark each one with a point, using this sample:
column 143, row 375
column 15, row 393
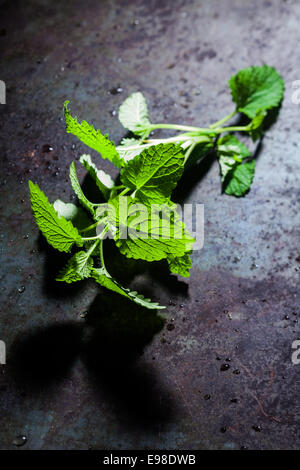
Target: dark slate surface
column 119, row 378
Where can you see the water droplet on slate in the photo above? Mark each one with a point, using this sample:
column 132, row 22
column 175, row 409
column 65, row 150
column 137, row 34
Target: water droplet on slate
column 115, row 90
column 19, row 441
column 223, row 429
column 21, row 289
column 224, row 367
column 170, row 326
column 236, row 372
column 207, row 397
column 27, row 125
column 257, row 428
column 113, row 112
column 47, row 148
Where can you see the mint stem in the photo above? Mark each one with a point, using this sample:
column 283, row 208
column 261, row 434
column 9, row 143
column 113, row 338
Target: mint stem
column 98, row 237
column 226, row 118
column 92, row 248
column 102, row 257
column 124, row 192
column 189, row 151
column 179, row 127
column 200, row 130
column 90, row 227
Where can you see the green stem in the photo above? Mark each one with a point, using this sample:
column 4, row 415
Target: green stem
column 150, row 142
column 92, row 248
column 178, row 138
column 101, row 255
column 132, row 147
column 87, row 229
column 226, row 118
column 189, row 151
column 98, row 237
column 179, row 127
column 124, row 192
column 202, row 130
column 101, row 251
column 232, row 129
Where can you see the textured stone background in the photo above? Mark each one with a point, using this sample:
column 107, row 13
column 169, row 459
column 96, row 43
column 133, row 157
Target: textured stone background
column 119, row 378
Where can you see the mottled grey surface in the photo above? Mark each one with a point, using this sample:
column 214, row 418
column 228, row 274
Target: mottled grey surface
column 119, row 379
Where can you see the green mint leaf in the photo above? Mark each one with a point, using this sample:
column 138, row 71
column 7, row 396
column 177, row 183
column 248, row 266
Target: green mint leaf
column 180, row 265
column 200, row 151
column 126, row 153
column 231, row 151
column 240, row 179
column 59, row 233
column 256, row 89
column 128, row 141
column 77, row 268
column 75, row 214
column 154, row 173
column 91, row 137
column 103, row 181
column 133, row 114
column 151, row 234
column 256, row 127
column 105, row 280
column 78, row 191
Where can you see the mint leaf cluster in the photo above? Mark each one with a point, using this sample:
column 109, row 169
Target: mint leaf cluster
column 139, row 214
column 256, row 91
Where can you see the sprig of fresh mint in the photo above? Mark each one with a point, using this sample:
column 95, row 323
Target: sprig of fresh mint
column 150, row 170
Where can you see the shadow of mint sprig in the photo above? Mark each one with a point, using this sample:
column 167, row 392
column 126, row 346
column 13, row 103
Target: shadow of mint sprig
column 150, row 171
